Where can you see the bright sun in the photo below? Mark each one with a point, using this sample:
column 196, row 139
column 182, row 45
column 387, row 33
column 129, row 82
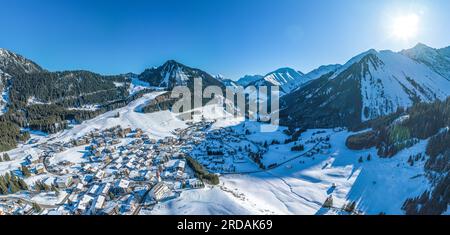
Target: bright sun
column 405, row 27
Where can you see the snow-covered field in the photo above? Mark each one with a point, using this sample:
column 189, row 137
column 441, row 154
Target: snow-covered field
column 299, row 186
column 156, row 125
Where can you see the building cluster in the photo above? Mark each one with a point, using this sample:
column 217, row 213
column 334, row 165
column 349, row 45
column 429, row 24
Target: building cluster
column 224, row 150
column 122, row 171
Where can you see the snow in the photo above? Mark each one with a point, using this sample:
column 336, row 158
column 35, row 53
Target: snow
column 74, row 155
column 436, row 59
column 4, row 89
column 248, row 79
column 301, row 187
column 33, row 100
column 208, row 201
column 119, row 84
column 383, row 88
column 157, row 125
column 288, row 79
column 173, row 72
column 322, row 70
column 49, row 198
column 91, row 107
column 351, row 62
column 138, row 85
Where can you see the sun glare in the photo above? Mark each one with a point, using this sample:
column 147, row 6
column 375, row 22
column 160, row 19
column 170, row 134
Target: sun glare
column 405, row 27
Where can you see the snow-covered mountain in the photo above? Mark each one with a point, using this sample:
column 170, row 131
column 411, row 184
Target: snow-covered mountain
column 436, row 59
column 287, row 79
column 172, row 74
column 248, row 79
column 13, row 64
column 371, row 84
column 322, row 70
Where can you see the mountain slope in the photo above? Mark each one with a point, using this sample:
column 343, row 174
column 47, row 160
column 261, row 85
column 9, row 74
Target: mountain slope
column 436, row 59
column 172, row 74
column 286, row 78
column 34, row 98
column 322, row 70
column 370, row 85
column 14, row 64
column 248, row 79
column 4, row 79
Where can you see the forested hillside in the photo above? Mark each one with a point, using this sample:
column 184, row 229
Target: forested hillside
column 403, row 129
column 47, row 101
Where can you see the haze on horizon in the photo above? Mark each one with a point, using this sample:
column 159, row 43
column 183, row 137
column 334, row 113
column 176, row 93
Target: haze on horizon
column 228, row 37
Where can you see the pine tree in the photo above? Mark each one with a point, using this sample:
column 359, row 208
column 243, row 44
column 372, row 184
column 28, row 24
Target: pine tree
column 369, row 157
column 54, row 189
column 360, row 160
column 350, row 207
column 410, row 160
column 3, row 186
column 36, row 207
column 22, row 184
column 7, row 177
column 328, row 202
column 6, row 157
column 13, row 187
column 25, row 171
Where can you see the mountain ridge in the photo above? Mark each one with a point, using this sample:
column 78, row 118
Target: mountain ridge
column 370, row 85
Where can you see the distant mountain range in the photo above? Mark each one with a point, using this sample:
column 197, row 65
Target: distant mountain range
column 370, row 85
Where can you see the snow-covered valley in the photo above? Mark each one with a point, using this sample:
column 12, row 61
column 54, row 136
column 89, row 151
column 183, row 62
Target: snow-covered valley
column 297, row 182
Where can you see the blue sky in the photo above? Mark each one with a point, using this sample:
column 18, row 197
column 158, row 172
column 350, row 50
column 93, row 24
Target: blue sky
column 227, row 37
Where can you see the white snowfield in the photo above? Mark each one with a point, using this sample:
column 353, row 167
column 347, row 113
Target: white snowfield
column 157, row 125
column 377, row 186
column 297, row 187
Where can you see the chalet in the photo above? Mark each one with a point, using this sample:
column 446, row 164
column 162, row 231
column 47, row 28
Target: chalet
column 179, row 175
column 180, row 165
column 121, row 187
column 79, row 187
column 126, row 131
column 87, row 179
column 40, row 168
column 32, row 159
column 149, row 176
column 106, row 188
column 128, row 203
column 63, row 182
column 100, row 174
column 99, row 203
column 94, row 190
column 80, row 141
column 73, row 197
column 27, row 209
column 160, row 191
column 110, row 208
column 84, row 204
column 135, row 175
